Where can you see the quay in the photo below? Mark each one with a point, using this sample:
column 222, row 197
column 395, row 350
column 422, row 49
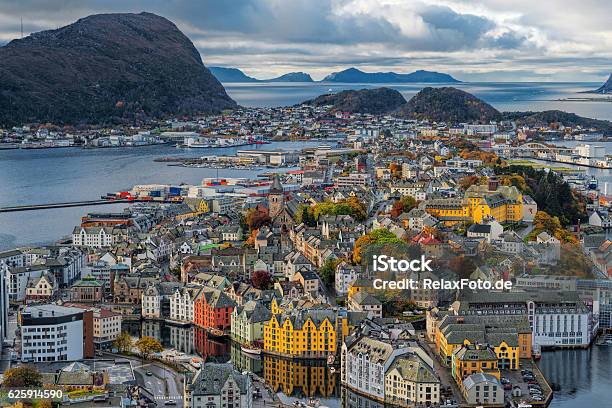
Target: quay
column 33, row 207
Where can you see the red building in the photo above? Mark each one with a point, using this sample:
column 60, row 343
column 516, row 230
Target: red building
column 212, row 309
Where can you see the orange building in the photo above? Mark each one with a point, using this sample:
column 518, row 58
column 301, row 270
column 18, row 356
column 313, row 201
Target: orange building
column 212, row 309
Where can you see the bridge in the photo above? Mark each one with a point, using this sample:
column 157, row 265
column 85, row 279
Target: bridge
column 32, row 207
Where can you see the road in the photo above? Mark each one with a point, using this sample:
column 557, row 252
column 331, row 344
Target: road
column 164, row 383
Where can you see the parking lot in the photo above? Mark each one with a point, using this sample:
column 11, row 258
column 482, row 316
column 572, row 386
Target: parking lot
column 529, row 380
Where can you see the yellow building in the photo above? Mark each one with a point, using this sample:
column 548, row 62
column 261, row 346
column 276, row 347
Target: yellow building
column 302, row 333
column 192, row 207
column 474, row 358
column 504, row 203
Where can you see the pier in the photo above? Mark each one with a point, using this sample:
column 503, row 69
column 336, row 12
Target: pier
column 32, row 207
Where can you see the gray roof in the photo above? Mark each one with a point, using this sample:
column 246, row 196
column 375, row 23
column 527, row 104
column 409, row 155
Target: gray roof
column 212, row 377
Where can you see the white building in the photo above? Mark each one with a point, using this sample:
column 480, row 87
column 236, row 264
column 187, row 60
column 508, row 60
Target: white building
column 345, row 275
column 93, row 237
column 51, row 333
column 18, row 278
column 151, row 303
column 482, row 389
column 181, row 305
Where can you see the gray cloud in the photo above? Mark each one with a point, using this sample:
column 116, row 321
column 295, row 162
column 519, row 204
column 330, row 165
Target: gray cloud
column 465, row 38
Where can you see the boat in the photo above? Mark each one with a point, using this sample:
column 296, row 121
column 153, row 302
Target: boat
column 251, row 350
column 216, row 333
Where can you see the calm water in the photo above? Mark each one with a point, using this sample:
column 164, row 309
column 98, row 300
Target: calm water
column 522, row 96
column 72, row 174
column 585, row 376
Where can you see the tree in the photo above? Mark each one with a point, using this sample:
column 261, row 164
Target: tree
column 261, row 279
column 25, row 376
column 328, row 271
column 377, row 236
column 257, row 218
column 408, row 202
column 124, row 342
column 148, row 345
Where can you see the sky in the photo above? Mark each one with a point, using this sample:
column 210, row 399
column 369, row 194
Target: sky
column 486, row 40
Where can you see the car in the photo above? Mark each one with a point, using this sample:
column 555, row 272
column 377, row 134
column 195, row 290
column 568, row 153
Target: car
column 537, row 398
column 170, row 402
column 504, row 380
column 532, row 382
column 149, row 373
column 508, row 387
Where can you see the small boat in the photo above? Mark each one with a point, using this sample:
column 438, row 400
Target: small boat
column 251, row 350
column 216, row 333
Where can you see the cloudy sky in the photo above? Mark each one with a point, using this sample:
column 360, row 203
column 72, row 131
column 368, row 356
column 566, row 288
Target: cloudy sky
column 489, row 40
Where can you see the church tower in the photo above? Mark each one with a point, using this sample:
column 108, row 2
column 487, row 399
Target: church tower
column 276, row 198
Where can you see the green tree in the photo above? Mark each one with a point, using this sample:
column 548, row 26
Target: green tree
column 328, row 271
column 25, row 376
column 147, row 346
column 124, row 342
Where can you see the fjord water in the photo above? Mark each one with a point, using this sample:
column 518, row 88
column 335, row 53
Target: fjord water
column 504, row 96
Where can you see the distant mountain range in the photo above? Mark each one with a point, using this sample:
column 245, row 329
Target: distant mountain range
column 353, row 75
column 224, row 74
column 605, row 88
column 350, row 76
column 106, row 68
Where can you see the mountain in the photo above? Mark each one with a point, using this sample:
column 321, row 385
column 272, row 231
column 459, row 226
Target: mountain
column 605, row 88
column 375, row 101
column 353, row 75
column 292, row 77
column 545, row 118
column 230, row 75
column 448, row 104
column 106, row 68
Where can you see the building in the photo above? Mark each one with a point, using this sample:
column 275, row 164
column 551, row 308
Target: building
column 248, row 322
column 302, row 333
column 94, row 237
column 41, row 289
column 481, row 389
column 151, row 303
column 87, row 290
column 365, row 302
column 181, row 304
column 410, row 382
column 218, row 386
column 345, row 275
column 212, row 309
column 474, row 358
column 55, row 333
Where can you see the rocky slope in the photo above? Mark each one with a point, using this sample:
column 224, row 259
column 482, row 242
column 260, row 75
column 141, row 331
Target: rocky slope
column 550, row 117
column 106, row 68
column 375, row 101
column 292, row 77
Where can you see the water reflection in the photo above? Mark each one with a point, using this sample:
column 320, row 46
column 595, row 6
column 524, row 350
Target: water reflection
column 300, row 378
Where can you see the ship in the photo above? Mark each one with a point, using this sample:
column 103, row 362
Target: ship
column 251, row 350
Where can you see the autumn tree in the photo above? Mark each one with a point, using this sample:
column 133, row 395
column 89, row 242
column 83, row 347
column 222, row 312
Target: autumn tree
column 261, row 279
column 257, row 218
column 377, row 236
column 147, row 346
column 26, row 376
column 397, row 209
column 124, row 342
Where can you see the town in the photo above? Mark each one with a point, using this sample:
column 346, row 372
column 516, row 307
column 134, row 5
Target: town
column 258, row 291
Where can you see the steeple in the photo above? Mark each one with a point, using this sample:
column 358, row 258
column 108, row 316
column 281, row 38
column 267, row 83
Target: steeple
column 276, row 187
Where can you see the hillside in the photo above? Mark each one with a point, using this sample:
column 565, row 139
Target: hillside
column 448, row 104
column 374, row 101
column 230, row 75
column 106, row 68
column 546, row 118
column 353, row 75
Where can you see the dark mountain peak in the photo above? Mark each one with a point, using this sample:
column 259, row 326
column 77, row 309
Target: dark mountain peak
column 106, row 68
column 292, row 77
column 224, row 74
column 448, row 104
column 375, row 101
column 605, row 88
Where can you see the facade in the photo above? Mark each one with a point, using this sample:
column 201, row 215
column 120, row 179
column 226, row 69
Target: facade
column 42, row 289
column 87, row 290
column 212, row 309
column 181, row 304
column 151, row 303
column 483, row 389
column 248, row 322
column 219, row 386
column 94, row 237
column 302, row 333
column 410, row 382
column 53, row 333
column 345, row 275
